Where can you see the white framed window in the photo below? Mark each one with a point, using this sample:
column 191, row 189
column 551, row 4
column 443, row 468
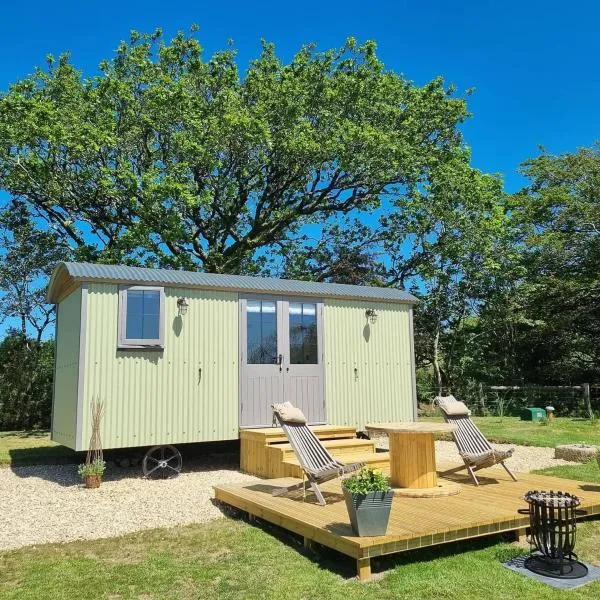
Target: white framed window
column 141, row 316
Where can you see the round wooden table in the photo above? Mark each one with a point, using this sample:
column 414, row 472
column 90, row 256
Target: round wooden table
column 412, row 458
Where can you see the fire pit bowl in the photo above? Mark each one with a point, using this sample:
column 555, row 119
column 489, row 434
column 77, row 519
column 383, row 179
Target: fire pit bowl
column 552, row 520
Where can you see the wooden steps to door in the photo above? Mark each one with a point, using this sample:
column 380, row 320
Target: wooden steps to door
column 377, row 460
column 267, row 453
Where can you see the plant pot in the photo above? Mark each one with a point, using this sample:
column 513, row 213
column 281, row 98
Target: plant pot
column 92, row 481
column 369, row 513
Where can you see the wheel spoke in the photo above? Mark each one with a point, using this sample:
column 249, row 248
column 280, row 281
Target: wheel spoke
column 154, row 469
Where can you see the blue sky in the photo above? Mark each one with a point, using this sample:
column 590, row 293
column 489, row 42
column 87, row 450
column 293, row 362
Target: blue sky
column 533, row 64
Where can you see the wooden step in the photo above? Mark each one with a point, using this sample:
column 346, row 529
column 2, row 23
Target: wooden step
column 275, row 435
column 344, row 446
column 344, row 450
column 377, row 460
column 255, row 444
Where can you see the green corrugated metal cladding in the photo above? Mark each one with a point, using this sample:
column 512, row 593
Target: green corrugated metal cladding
column 369, row 368
column 66, row 372
column 187, row 392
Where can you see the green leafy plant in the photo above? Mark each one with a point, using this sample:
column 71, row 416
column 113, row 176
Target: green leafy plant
column 95, row 467
column 367, row 480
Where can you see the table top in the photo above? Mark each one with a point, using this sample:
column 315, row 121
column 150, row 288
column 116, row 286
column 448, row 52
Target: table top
column 412, row 427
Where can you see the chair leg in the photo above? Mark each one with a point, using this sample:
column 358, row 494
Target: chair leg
column 508, row 471
column 473, row 476
column 318, row 494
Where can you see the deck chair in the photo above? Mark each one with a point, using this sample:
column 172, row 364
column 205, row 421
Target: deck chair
column 473, row 447
column 317, row 464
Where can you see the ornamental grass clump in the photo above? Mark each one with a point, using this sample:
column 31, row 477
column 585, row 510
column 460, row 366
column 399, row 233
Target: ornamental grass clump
column 367, row 480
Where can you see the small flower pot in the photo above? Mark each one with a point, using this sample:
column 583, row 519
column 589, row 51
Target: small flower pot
column 92, row 481
column 369, row 513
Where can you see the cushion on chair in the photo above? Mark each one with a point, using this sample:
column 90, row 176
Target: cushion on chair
column 452, row 407
column 487, row 458
column 289, row 413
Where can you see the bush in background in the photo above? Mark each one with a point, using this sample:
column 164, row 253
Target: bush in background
column 26, row 373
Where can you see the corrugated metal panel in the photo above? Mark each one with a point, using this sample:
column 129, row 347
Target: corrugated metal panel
column 369, row 374
column 64, row 410
column 187, row 392
column 239, row 283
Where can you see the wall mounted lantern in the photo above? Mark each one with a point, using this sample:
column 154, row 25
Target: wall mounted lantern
column 182, row 306
column 371, row 315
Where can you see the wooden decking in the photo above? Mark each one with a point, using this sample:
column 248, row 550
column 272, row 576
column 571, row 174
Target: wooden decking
column 415, row 522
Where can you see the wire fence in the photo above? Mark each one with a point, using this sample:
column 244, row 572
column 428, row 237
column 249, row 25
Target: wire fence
column 581, row 400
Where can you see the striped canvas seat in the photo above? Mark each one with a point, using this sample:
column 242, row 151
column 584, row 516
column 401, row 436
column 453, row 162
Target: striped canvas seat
column 316, row 462
column 473, row 447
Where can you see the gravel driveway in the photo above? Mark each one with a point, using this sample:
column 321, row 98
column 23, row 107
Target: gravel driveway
column 46, row 503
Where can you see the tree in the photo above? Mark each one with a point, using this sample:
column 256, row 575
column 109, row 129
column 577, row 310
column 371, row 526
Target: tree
column 28, row 256
column 345, row 252
column 559, row 217
column 450, row 240
column 169, row 159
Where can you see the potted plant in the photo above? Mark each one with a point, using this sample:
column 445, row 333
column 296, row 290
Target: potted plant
column 91, row 472
column 369, row 501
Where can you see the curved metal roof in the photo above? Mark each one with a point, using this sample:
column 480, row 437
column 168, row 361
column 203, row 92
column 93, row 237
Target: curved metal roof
column 69, row 272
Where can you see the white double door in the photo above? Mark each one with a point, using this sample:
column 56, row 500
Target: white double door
column 281, row 358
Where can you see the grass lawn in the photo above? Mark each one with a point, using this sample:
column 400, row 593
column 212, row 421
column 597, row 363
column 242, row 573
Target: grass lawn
column 229, row 559
column 32, row 448
column 551, row 433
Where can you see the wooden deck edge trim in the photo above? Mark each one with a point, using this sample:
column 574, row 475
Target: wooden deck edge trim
column 316, row 534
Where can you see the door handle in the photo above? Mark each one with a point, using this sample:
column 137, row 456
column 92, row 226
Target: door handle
column 279, row 359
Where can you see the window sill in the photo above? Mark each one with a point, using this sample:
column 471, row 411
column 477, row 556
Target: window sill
column 138, row 347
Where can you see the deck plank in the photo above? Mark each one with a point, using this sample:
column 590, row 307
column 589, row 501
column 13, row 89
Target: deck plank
column 414, row 522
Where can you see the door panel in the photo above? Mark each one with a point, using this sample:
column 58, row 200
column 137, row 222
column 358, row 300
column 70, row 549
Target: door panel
column 281, row 358
column 303, row 351
column 261, row 377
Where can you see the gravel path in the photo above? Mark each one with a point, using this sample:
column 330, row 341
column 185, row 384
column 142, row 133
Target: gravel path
column 46, row 503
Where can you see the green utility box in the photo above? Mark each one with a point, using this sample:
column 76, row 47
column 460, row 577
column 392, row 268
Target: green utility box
column 533, row 414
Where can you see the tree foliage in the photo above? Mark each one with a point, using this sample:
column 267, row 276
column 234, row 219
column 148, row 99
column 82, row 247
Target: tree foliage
column 167, row 158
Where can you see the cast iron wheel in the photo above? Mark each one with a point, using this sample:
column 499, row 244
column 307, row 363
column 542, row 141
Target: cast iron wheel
column 162, row 462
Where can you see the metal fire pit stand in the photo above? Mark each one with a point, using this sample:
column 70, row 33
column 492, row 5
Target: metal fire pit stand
column 552, row 520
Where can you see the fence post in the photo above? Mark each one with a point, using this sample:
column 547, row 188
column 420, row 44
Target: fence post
column 587, row 399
